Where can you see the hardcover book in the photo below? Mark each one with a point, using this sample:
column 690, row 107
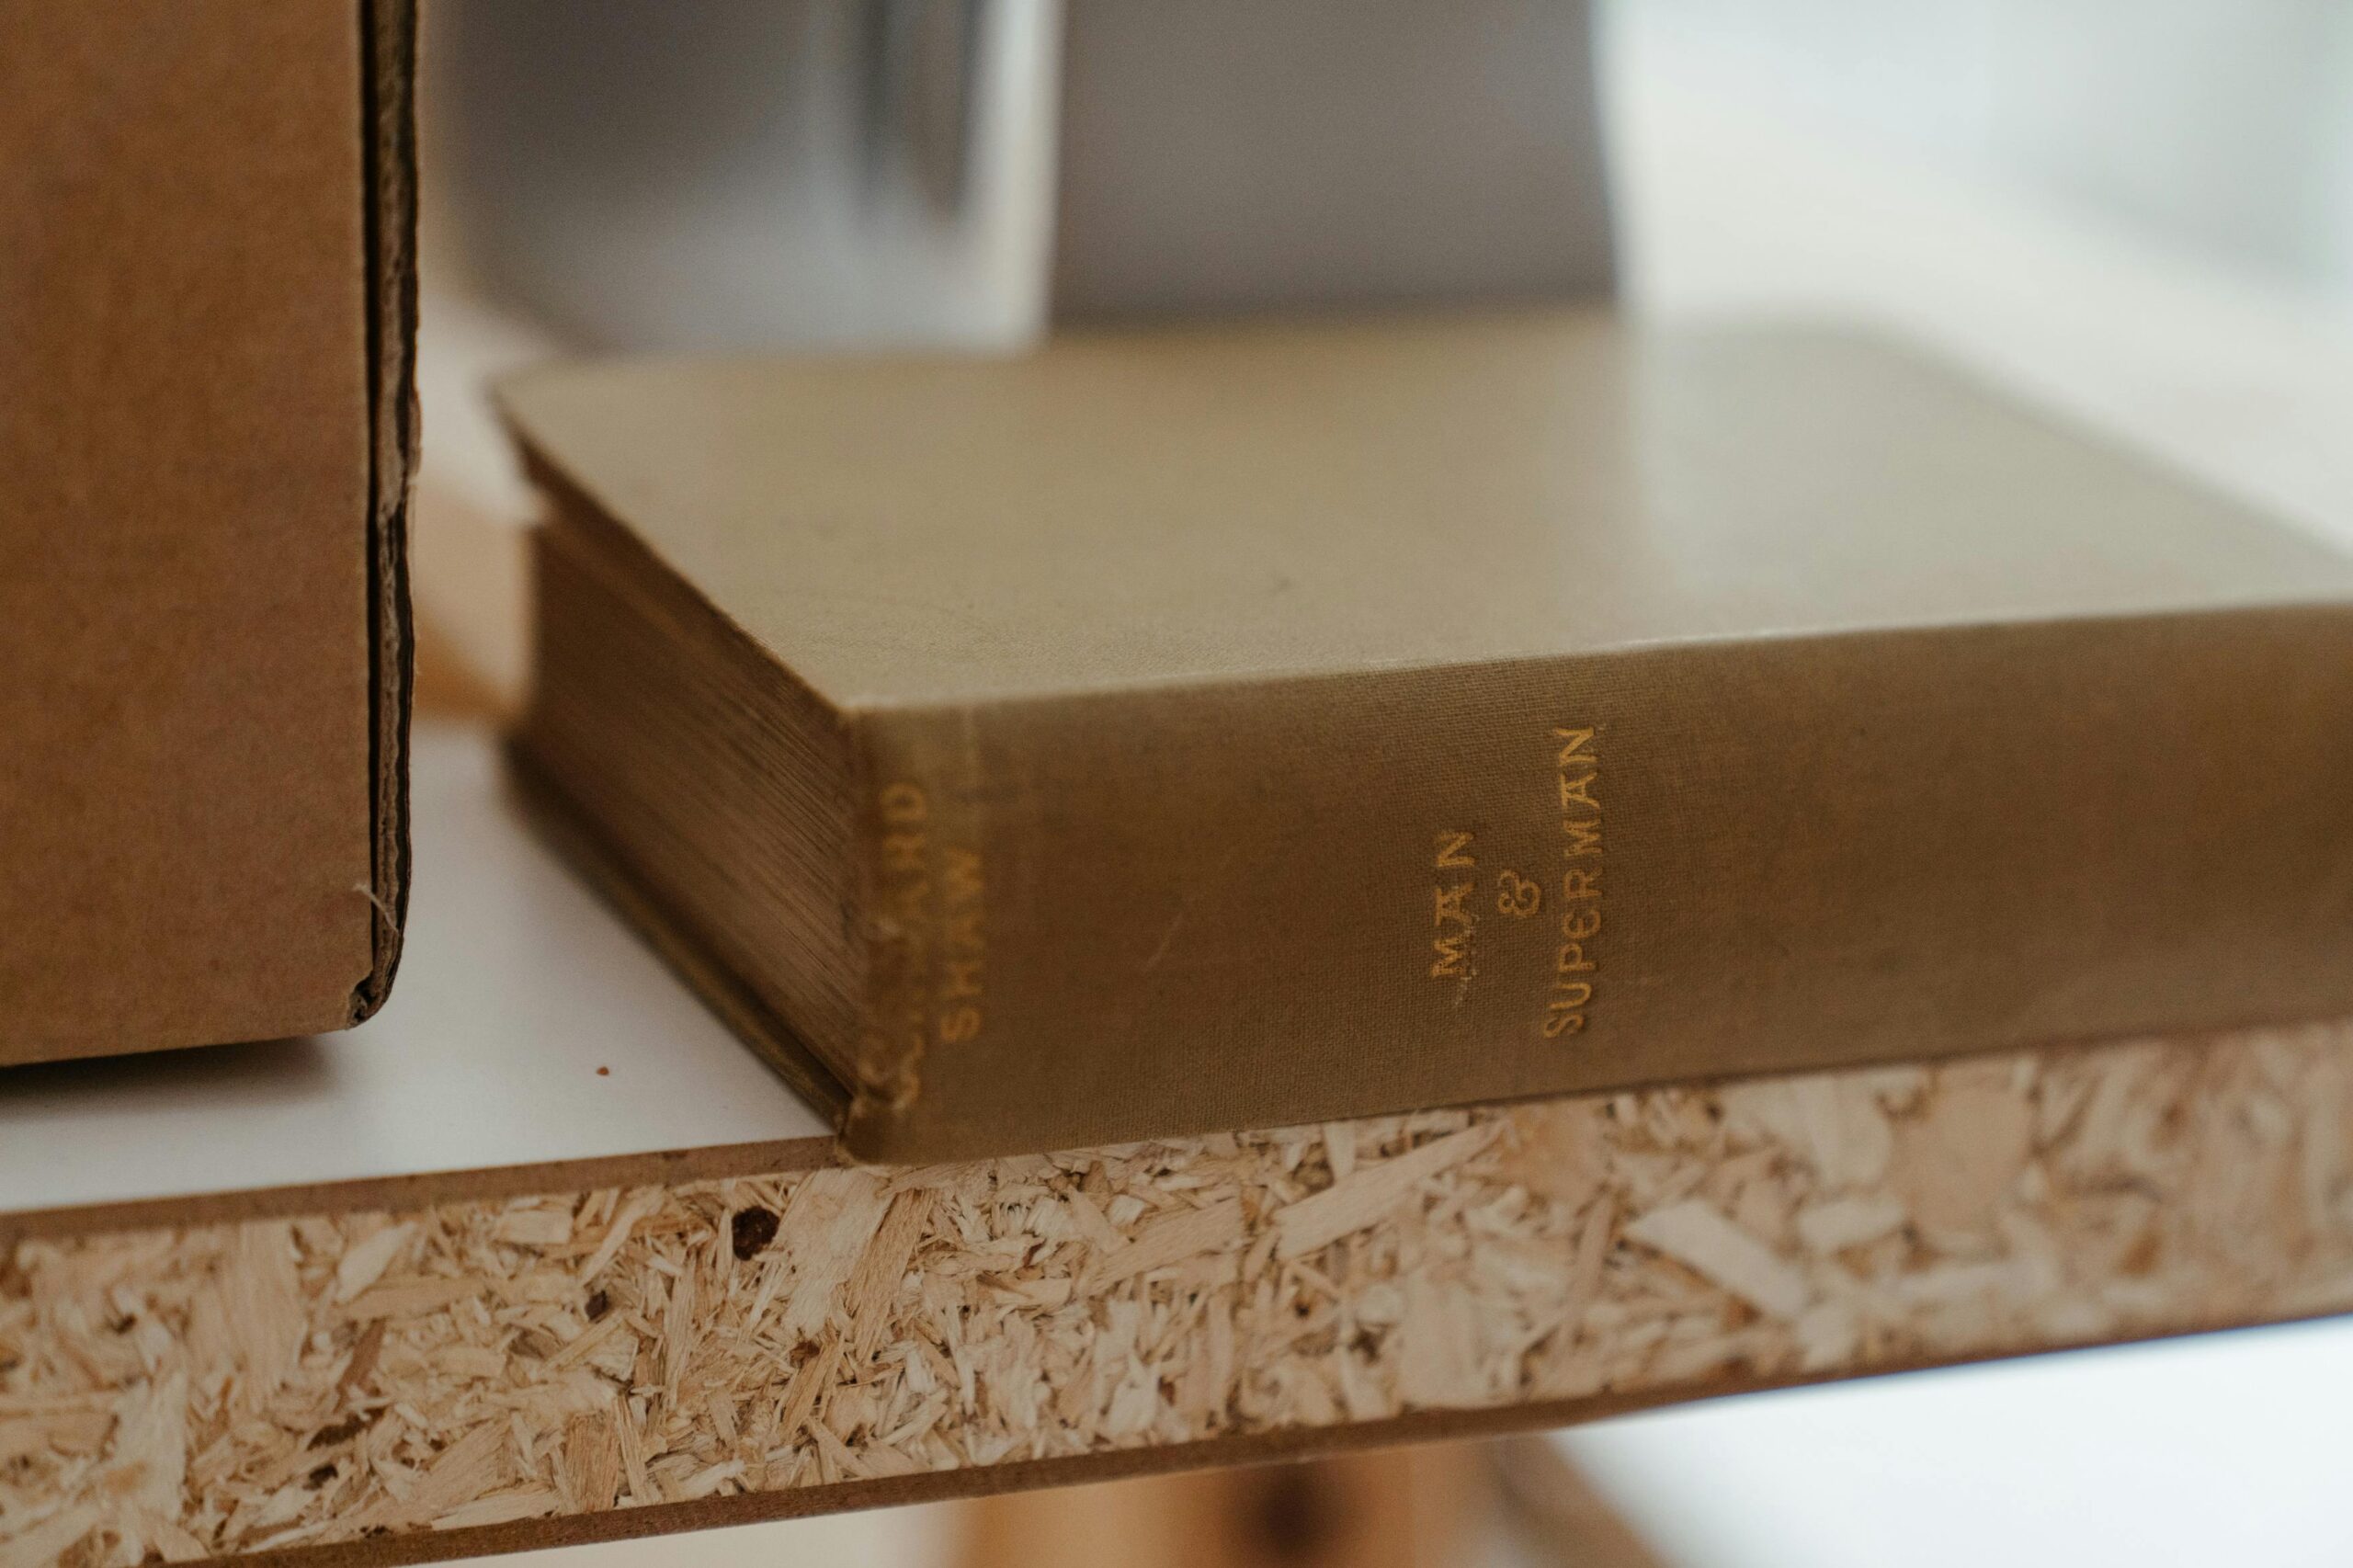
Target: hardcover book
column 1217, row 728
column 205, row 432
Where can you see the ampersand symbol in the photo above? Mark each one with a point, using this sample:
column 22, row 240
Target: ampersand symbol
column 1516, row 896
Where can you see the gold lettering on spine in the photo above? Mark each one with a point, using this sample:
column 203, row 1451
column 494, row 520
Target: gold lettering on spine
column 1577, row 767
column 1451, row 917
column 892, row 1054
column 1562, row 919
column 1517, row 897
column 930, row 939
column 964, row 947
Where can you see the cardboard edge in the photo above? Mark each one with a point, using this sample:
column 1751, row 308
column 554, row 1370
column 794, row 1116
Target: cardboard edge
column 568, row 831
column 388, row 130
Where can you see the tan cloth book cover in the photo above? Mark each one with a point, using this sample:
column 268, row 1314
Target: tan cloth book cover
column 1168, row 732
column 206, row 315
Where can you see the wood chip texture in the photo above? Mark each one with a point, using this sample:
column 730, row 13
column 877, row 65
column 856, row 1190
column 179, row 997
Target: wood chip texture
column 175, row 1393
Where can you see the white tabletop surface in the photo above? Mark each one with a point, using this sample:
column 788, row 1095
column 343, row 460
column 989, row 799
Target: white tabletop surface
column 517, row 986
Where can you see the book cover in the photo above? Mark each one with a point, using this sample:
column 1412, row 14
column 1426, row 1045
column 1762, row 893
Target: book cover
column 1220, row 728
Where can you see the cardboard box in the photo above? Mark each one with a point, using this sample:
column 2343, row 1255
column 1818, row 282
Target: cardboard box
column 206, row 429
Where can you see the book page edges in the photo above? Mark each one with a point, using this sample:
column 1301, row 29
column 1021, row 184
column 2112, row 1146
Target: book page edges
column 568, row 831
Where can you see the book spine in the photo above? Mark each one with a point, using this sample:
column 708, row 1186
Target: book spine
column 1099, row 918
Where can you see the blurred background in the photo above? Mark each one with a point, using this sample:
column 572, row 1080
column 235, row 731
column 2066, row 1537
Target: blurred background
column 2136, row 213
column 2224, row 127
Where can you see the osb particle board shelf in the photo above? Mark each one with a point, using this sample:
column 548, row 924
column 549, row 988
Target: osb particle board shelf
column 302, row 1300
